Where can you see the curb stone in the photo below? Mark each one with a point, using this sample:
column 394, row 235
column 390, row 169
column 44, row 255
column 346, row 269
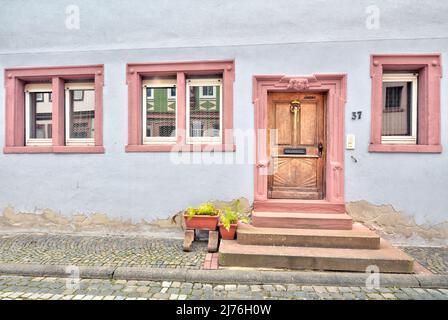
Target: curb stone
column 432, row 282
column 139, row 273
column 344, row 279
column 64, row 271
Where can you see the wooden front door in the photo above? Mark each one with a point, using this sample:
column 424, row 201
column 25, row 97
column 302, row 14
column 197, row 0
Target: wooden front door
column 296, row 146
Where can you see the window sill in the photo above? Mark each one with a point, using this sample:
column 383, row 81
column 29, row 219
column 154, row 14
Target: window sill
column 54, row 149
column 393, row 110
column 414, row 148
column 181, row 148
column 79, row 149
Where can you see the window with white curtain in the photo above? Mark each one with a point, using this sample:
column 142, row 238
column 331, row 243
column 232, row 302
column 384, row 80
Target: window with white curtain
column 399, row 117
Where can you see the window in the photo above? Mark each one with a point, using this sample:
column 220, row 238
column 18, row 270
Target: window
column 405, row 103
column 159, row 111
column 204, row 112
column 39, row 97
column 79, row 114
column 208, row 92
column 393, row 97
column 60, row 113
column 38, row 114
column 187, row 106
column 172, row 93
column 399, row 119
column 78, row 95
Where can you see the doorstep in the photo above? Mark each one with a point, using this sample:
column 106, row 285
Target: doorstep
column 293, row 205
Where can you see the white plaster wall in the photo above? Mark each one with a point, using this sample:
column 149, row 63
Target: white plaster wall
column 264, row 37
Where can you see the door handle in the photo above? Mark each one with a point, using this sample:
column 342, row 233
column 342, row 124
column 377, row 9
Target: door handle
column 320, row 148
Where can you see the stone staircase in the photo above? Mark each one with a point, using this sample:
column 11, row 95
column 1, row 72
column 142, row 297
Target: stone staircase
column 310, row 241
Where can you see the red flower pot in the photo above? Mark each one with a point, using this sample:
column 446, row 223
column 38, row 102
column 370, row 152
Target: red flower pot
column 201, row 222
column 228, row 234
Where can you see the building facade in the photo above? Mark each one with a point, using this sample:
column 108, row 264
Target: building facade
column 157, row 107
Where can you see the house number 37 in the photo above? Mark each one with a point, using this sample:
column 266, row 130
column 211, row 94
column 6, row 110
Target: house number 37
column 356, row 115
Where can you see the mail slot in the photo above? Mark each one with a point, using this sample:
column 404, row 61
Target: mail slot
column 294, row 151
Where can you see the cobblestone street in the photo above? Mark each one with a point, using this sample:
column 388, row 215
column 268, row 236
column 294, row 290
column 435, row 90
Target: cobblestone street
column 15, row 287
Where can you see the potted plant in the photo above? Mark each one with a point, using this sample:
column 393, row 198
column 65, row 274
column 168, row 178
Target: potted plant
column 228, row 221
column 204, row 217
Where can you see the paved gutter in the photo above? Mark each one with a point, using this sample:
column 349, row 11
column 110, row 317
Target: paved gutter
column 252, row 276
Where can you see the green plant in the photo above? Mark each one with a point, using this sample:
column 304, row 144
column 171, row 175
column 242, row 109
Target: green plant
column 228, row 215
column 205, row 209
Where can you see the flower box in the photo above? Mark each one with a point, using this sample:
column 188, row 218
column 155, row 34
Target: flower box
column 201, row 222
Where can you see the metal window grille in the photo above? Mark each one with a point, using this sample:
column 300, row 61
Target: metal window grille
column 160, row 112
column 204, row 111
column 82, row 114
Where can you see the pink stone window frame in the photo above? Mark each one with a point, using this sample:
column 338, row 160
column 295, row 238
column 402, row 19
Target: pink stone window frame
column 135, row 72
column 15, row 80
column 428, row 128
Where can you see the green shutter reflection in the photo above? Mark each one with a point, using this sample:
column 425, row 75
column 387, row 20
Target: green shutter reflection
column 160, row 100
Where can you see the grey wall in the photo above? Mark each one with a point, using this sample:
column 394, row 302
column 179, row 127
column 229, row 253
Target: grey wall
column 264, row 37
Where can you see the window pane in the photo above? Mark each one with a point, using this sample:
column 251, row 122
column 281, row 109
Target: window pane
column 82, row 114
column 161, row 112
column 204, row 111
column 397, row 102
column 40, row 116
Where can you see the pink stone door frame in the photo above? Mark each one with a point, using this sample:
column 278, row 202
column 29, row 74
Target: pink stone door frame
column 334, row 85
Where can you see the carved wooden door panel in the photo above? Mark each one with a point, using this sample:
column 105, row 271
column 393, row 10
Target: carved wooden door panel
column 296, row 146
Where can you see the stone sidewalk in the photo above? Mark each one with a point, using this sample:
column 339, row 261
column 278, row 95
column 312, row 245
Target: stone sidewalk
column 119, row 258
column 122, row 251
column 110, row 251
column 160, row 258
column 434, row 259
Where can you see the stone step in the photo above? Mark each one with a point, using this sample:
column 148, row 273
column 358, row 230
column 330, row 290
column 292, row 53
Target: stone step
column 292, row 205
column 359, row 237
column 387, row 258
column 296, row 220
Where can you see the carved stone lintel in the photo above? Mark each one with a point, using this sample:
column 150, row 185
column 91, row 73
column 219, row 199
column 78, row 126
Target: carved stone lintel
column 298, row 83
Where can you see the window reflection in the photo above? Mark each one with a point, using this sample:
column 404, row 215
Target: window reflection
column 82, row 114
column 40, row 115
column 160, row 111
column 204, row 107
